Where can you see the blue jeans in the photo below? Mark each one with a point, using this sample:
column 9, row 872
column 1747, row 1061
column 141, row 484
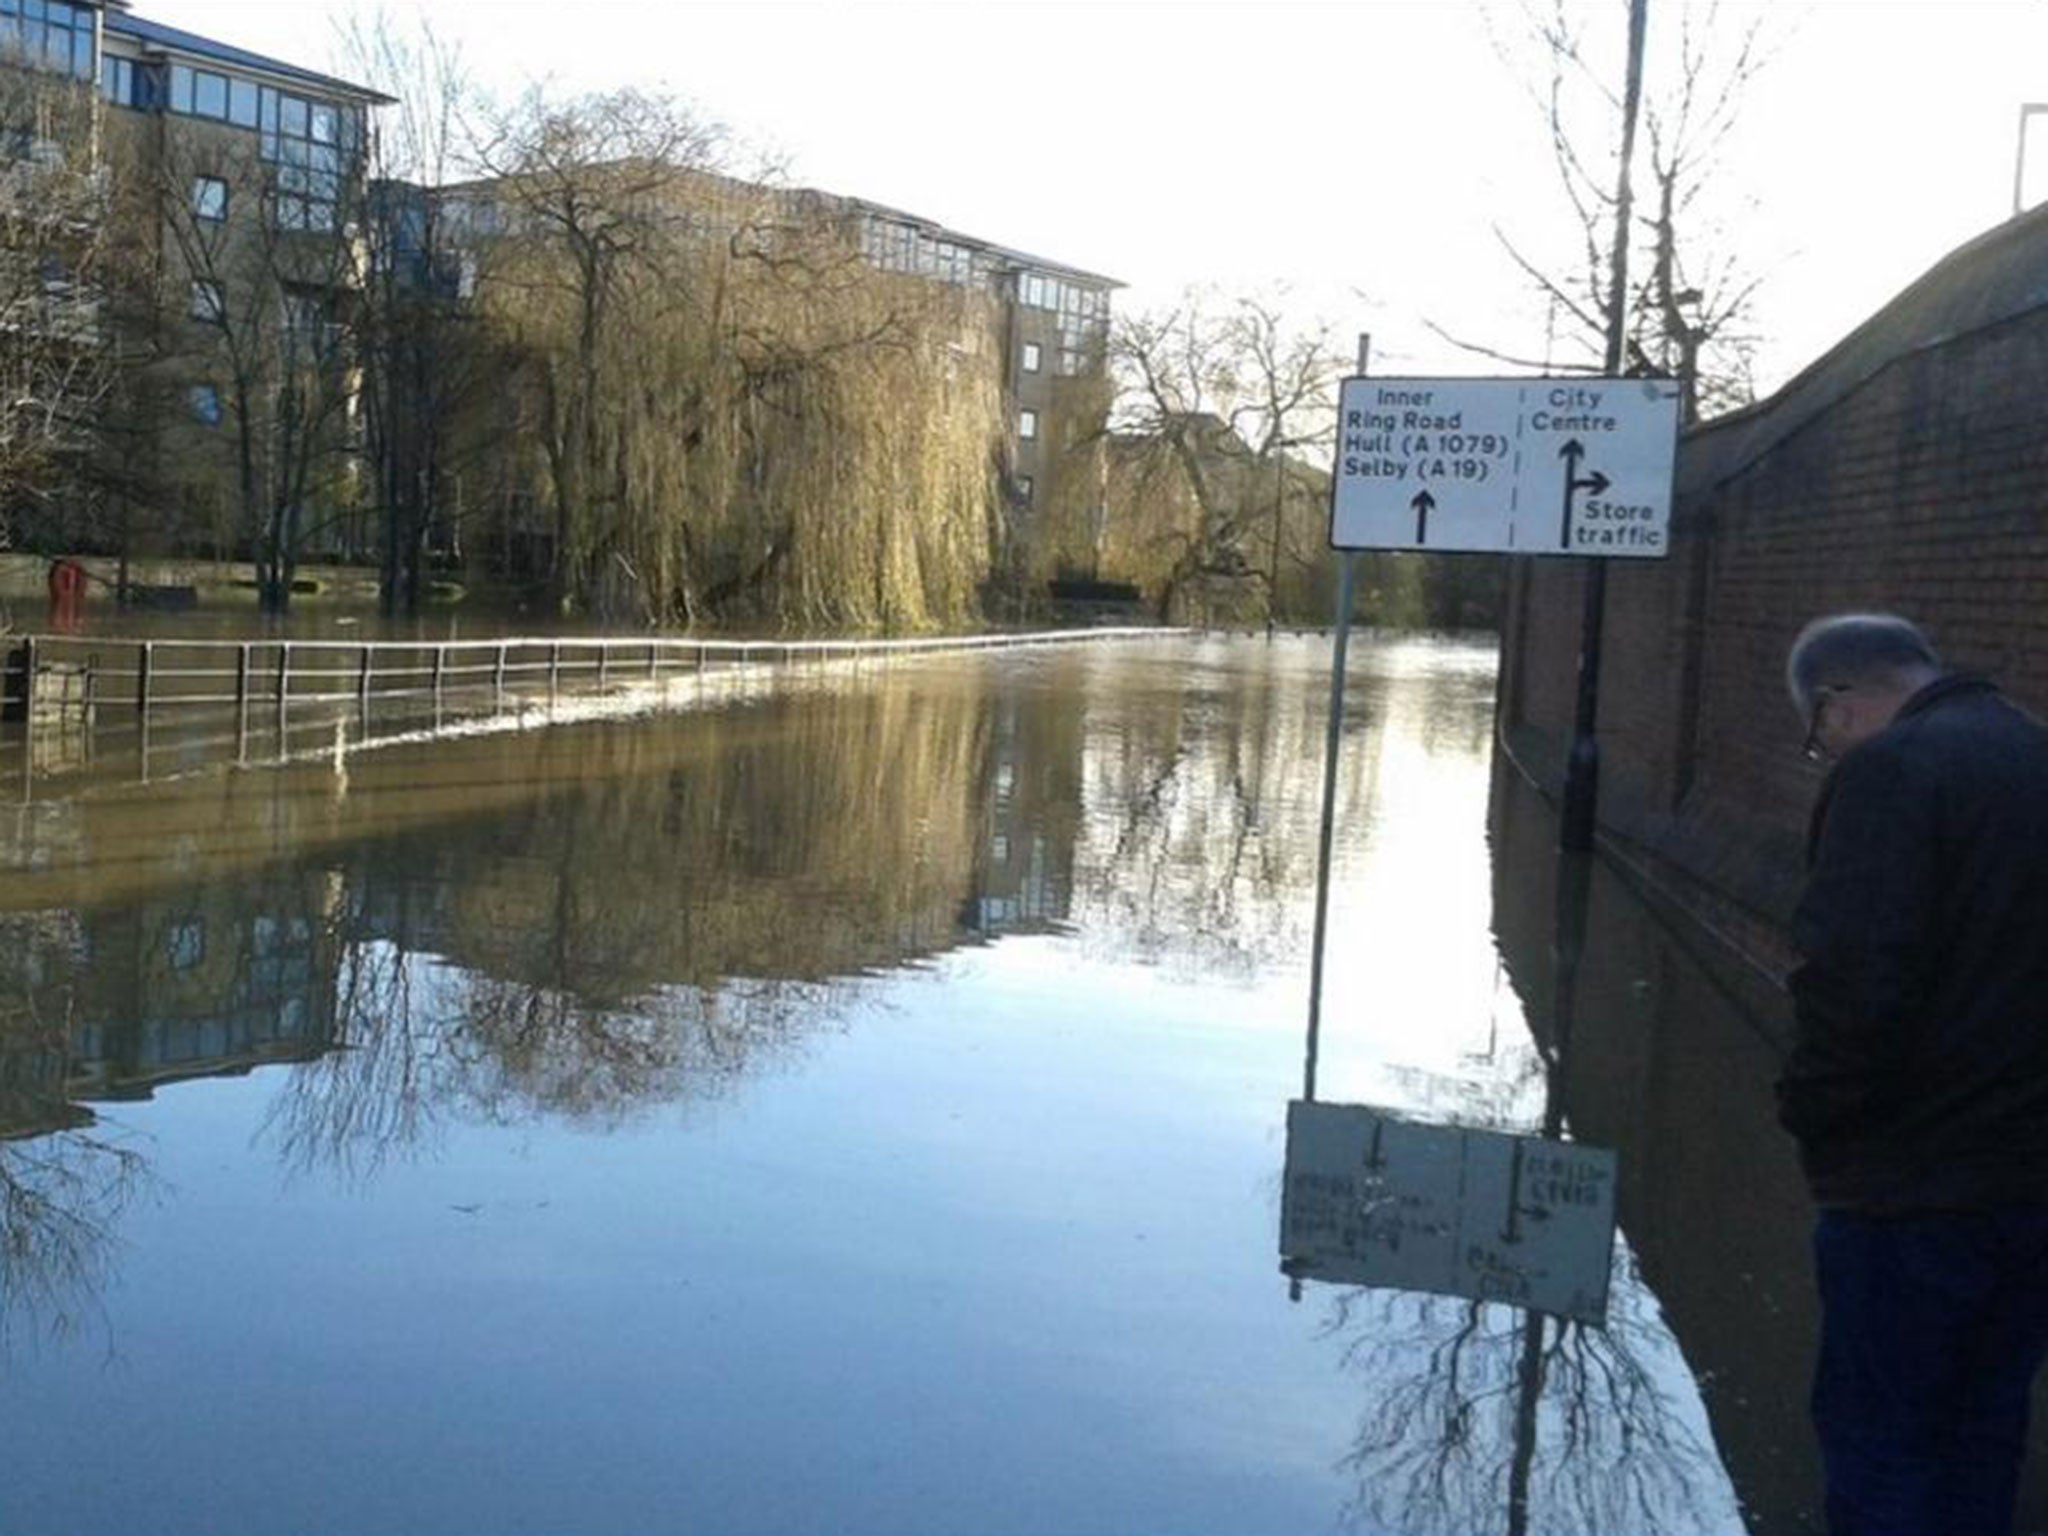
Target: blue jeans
column 1932, row 1327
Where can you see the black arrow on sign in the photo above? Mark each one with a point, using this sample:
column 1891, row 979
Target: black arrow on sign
column 1571, row 453
column 1424, row 504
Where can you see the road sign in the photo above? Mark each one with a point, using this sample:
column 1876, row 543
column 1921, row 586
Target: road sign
column 1370, row 1198
column 1518, row 466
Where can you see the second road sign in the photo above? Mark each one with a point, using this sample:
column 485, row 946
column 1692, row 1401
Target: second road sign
column 1518, row 466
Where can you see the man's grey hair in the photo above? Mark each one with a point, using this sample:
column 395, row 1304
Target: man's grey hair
column 1846, row 650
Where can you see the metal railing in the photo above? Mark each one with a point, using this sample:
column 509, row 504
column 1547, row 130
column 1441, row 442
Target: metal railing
column 69, row 702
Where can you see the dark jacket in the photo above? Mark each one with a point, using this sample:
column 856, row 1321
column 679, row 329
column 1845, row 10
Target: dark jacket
column 1918, row 1077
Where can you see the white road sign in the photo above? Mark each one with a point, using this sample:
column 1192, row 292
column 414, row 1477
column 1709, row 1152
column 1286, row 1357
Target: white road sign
column 1373, row 1199
column 1518, row 466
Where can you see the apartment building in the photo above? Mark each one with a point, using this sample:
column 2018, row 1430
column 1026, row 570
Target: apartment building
column 253, row 172
column 251, row 221
column 226, row 247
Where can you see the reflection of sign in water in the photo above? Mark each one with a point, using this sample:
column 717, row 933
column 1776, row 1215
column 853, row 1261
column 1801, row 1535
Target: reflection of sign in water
column 1371, row 1199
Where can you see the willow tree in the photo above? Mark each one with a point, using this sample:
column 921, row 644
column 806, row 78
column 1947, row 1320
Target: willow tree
column 738, row 419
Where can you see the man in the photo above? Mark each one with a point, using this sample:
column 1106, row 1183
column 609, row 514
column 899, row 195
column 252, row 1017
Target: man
column 1917, row 1085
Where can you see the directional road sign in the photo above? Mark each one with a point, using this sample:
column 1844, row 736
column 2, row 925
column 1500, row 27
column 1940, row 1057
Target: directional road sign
column 1520, row 466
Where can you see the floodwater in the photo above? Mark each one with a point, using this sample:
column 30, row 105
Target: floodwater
column 858, row 1106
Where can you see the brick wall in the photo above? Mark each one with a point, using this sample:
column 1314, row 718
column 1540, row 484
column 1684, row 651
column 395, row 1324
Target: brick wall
column 1919, row 486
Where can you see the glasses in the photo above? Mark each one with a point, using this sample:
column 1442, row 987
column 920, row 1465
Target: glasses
column 1813, row 751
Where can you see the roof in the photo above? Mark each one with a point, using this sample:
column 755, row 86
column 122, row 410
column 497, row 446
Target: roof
column 1019, row 258
column 1998, row 276
column 155, row 34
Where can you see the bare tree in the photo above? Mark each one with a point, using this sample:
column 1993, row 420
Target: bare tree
column 426, row 365
column 55, row 251
column 1689, row 315
column 263, row 281
column 1220, row 400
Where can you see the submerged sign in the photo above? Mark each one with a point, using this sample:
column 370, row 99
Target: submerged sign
column 1516, row 466
column 1371, row 1199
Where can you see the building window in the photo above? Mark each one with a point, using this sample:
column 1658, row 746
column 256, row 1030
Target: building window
column 185, row 943
column 48, row 34
column 199, row 92
column 207, row 302
column 1072, row 364
column 1031, row 357
column 209, row 198
column 307, row 333
column 203, row 401
column 1027, row 425
column 310, row 143
column 1033, row 291
column 1024, row 489
column 117, row 80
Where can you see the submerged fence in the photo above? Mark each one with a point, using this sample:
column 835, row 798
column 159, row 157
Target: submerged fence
column 72, row 703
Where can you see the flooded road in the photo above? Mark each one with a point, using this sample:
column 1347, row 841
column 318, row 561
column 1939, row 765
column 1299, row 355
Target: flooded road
column 857, row 1108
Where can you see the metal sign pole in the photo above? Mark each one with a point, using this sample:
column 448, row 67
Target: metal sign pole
column 1582, row 766
column 1347, row 582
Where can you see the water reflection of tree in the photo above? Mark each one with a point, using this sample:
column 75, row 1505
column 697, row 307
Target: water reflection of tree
column 64, row 1179
column 1194, row 851
column 695, row 911
column 1199, row 848
column 1485, row 1418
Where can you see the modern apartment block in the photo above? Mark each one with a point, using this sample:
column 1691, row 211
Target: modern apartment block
column 250, row 233
column 250, row 174
column 217, row 232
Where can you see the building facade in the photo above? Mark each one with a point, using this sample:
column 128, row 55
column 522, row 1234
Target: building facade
column 242, row 251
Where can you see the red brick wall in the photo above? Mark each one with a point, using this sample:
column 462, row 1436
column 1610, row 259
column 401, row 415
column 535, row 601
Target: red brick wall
column 1923, row 491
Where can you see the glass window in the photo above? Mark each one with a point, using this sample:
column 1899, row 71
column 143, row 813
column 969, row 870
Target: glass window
column 203, row 400
column 1031, row 357
column 206, row 302
column 209, row 197
column 302, row 138
column 1024, row 489
column 181, row 88
column 209, row 94
column 117, row 81
column 242, row 103
column 1027, row 425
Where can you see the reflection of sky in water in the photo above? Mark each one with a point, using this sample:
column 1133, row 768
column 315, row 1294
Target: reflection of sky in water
column 983, row 1244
